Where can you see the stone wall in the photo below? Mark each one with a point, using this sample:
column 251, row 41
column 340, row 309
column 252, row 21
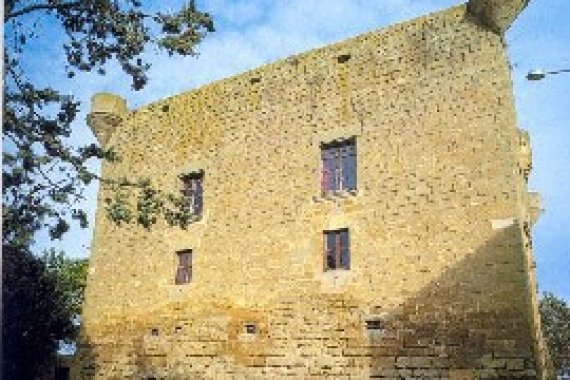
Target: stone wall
column 441, row 283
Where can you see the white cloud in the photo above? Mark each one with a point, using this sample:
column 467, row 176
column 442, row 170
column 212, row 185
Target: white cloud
column 254, row 32
column 236, row 14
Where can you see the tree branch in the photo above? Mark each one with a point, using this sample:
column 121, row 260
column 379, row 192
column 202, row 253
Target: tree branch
column 38, row 7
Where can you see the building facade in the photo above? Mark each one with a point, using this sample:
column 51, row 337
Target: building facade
column 361, row 212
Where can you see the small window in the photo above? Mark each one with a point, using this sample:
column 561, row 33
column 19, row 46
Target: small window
column 192, row 190
column 337, row 249
column 250, row 328
column 343, row 58
column 373, row 324
column 338, row 166
column 184, row 269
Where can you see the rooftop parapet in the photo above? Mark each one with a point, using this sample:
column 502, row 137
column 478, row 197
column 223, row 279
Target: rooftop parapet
column 107, row 111
column 497, row 15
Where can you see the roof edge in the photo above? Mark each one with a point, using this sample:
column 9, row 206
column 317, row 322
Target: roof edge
column 497, row 15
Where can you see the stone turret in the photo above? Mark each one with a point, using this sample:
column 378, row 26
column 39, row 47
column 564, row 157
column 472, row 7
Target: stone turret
column 107, row 112
column 498, row 15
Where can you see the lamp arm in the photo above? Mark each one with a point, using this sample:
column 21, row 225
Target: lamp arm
column 558, row 71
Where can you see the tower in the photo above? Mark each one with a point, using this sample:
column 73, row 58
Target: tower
column 364, row 212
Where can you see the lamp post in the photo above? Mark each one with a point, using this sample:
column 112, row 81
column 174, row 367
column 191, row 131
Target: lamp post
column 539, row 74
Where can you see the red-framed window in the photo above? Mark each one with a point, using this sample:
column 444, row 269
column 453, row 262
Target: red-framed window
column 336, row 249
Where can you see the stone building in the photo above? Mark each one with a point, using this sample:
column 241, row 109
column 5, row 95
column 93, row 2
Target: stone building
column 361, row 212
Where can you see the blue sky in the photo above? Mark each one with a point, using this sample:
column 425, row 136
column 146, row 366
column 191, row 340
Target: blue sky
column 254, row 32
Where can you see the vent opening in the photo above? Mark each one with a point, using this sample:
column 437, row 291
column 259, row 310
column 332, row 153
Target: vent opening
column 343, row 58
column 374, row 324
column 250, row 328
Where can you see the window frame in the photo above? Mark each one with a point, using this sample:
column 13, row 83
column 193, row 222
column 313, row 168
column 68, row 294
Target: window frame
column 338, row 250
column 192, row 188
column 343, row 150
column 183, row 274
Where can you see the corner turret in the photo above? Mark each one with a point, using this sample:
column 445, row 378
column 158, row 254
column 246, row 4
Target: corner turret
column 107, row 111
column 497, row 15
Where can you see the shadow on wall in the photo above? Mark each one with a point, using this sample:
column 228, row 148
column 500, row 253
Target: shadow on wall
column 472, row 321
column 84, row 363
column 126, row 350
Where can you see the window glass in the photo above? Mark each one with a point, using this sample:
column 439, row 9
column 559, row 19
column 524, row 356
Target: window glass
column 329, row 170
column 345, row 258
column 198, row 196
column 184, row 269
column 330, row 250
column 337, row 249
column 349, row 169
column 343, row 238
column 192, row 189
column 331, row 260
column 338, row 166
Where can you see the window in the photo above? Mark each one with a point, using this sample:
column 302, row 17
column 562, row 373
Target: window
column 338, row 166
column 373, row 324
column 250, row 328
column 184, row 269
column 193, row 190
column 337, row 249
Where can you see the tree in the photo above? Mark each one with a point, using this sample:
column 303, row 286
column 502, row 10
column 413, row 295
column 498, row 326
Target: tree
column 35, row 316
column 70, row 278
column 43, row 175
column 555, row 316
column 42, row 297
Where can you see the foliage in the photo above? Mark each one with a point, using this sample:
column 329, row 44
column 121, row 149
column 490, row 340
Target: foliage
column 35, row 315
column 43, row 175
column 150, row 205
column 71, row 277
column 555, row 316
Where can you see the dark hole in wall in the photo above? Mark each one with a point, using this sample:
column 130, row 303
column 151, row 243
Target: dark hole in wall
column 343, row 58
column 374, row 324
column 250, row 328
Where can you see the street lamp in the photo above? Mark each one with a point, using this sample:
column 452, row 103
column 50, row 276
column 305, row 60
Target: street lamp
column 539, row 74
